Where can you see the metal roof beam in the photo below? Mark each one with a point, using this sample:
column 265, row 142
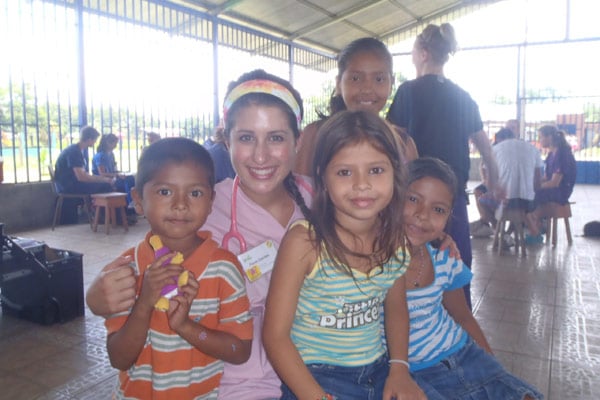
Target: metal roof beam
column 333, row 18
column 224, row 7
column 330, row 15
column 446, row 11
column 404, row 9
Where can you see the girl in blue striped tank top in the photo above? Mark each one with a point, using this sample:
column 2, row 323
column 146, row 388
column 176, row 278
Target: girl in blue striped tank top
column 335, row 273
column 448, row 354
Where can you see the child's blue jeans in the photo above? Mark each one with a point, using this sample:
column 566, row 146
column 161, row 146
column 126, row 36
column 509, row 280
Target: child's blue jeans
column 348, row 383
column 472, row 373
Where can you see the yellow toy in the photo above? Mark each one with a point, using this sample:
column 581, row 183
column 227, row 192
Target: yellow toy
column 172, row 289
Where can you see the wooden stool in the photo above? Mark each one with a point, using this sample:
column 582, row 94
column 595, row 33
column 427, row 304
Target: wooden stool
column 554, row 211
column 516, row 217
column 110, row 202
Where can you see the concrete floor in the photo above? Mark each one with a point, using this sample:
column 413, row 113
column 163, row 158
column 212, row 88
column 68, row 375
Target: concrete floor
column 541, row 315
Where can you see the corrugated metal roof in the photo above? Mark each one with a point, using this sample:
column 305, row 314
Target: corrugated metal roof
column 318, row 29
column 328, row 25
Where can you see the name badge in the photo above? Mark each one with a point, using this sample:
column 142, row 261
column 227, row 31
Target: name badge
column 259, row 260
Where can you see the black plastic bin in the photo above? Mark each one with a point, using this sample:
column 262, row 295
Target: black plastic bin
column 40, row 284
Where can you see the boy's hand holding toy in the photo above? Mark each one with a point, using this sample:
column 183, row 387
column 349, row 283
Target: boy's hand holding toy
column 170, row 290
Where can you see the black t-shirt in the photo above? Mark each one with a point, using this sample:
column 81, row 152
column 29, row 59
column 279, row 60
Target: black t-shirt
column 69, row 158
column 440, row 117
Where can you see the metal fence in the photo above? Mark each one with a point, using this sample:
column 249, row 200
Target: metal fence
column 133, row 66
column 124, row 67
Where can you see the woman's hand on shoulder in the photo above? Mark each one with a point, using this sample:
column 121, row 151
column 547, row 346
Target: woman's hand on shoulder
column 113, row 290
column 447, row 243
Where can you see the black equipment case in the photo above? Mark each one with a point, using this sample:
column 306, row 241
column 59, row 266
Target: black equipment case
column 38, row 283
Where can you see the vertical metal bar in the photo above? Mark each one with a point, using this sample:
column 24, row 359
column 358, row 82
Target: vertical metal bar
column 24, row 120
column 215, row 60
column 518, row 89
column 49, row 125
column 137, row 135
column 128, row 127
column 82, row 107
column 70, row 117
column 37, row 128
column 111, row 121
column 291, row 60
column 568, row 20
column 12, row 123
column 36, row 116
column 101, row 118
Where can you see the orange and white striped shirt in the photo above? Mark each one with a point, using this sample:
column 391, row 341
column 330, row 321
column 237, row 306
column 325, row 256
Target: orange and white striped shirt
column 169, row 367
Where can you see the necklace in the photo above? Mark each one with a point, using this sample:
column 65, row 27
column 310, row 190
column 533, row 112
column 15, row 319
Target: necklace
column 416, row 282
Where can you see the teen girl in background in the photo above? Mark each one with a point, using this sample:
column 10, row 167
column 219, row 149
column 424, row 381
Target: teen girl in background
column 364, row 82
column 322, row 325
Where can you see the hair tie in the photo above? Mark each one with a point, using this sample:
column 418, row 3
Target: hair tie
column 263, row 86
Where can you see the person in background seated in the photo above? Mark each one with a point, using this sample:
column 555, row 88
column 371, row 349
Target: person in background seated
column 72, row 167
column 217, row 147
column 104, row 164
column 486, row 202
column 558, row 180
column 519, row 174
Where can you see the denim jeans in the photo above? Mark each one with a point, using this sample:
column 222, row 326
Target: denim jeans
column 472, row 374
column 458, row 228
column 348, row 383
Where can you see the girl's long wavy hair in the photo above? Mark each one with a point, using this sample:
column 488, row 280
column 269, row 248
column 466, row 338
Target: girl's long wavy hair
column 348, row 128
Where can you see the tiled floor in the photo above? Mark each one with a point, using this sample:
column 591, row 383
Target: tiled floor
column 541, row 315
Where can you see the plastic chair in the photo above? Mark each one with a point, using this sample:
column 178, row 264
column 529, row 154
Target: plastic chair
column 61, row 196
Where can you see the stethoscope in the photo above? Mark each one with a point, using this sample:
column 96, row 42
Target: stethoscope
column 233, row 232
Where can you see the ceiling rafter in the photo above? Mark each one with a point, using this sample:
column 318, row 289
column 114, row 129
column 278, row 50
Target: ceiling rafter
column 450, row 9
column 318, row 16
column 404, row 9
column 335, row 18
column 215, row 11
column 330, row 15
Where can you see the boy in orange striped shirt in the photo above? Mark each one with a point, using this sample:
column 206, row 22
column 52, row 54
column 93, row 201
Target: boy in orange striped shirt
column 179, row 353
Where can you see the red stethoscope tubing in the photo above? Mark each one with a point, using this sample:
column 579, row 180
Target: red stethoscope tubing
column 233, row 232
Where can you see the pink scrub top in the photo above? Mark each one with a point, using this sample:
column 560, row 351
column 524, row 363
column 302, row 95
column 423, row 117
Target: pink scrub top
column 255, row 379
